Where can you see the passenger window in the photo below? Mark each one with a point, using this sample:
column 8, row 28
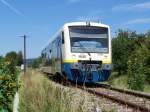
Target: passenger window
column 42, row 55
column 63, row 38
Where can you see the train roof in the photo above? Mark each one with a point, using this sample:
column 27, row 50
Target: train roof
column 75, row 24
column 85, row 23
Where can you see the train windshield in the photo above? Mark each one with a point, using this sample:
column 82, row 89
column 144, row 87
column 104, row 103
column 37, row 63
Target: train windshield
column 88, row 39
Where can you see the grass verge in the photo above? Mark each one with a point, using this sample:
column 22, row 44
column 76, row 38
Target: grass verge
column 38, row 94
column 121, row 82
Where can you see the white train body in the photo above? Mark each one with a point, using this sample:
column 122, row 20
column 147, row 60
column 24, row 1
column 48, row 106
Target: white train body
column 81, row 51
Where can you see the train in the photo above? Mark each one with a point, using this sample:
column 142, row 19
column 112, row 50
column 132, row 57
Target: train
column 80, row 52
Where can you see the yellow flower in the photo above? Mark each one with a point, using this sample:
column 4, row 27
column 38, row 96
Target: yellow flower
column 1, row 77
column 7, row 62
column 10, row 85
column 9, row 94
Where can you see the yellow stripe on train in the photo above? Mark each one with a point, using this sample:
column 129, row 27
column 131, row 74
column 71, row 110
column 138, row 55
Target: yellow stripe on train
column 107, row 62
column 70, row 61
column 75, row 61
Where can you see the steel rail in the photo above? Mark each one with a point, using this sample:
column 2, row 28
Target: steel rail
column 135, row 93
column 130, row 92
column 120, row 101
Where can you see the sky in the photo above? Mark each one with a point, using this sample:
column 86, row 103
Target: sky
column 41, row 19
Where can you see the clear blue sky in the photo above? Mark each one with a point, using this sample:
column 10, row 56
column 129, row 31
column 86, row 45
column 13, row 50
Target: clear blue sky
column 40, row 19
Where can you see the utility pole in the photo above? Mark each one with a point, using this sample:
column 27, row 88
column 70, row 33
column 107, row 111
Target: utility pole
column 24, row 61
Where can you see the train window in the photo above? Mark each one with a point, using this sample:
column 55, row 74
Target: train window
column 50, row 50
column 63, row 38
column 42, row 55
column 89, row 39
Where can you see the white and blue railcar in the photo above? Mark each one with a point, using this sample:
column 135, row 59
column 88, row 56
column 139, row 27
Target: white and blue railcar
column 81, row 51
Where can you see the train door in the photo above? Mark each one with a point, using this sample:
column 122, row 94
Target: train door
column 62, row 50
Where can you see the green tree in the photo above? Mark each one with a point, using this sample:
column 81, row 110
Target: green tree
column 148, row 33
column 19, row 58
column 36, row 63
column 120, row 51
column 136, row 68
column 11, row 57
column 1, row 58
column 147, row 71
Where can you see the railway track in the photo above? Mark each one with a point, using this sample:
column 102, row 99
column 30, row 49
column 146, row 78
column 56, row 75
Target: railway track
column 136, row 100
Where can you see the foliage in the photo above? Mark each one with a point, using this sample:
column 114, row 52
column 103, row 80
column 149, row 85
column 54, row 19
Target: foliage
column 8, row 84
column 39, row 94
column 15, row 58
column 19, row 58
column 124, row 45
column 131, row 55
column 147, row 62
column 121, row 81
column 1, row 57
column 11, row 57
column 120, row 51
column 36, row 63
column 136, row 74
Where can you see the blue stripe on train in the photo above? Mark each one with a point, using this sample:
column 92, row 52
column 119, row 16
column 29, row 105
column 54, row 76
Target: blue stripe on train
column 82, row 76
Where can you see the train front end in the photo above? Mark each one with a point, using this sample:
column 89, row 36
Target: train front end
column 87, row 56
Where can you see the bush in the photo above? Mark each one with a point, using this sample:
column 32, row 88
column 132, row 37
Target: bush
column 136, row 69
column 9, row 85
column 119, row 51
column 148, row 58
column 36, row 63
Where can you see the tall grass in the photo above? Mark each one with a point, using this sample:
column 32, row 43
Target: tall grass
column 39, row 94
column 120, row 81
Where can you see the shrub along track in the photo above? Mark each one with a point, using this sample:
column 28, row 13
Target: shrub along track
column 137, row 101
